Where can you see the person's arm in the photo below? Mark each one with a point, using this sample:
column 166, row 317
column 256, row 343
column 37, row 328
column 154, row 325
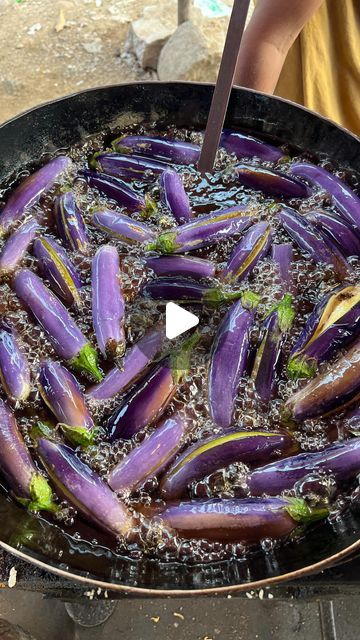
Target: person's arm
column 273, row 28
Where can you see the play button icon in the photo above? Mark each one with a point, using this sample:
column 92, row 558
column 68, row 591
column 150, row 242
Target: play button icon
column 178, row 320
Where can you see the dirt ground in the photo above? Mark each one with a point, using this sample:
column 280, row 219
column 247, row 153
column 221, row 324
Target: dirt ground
column 50, row 48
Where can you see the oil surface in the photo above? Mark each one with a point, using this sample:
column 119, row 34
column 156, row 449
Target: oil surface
column 309, row 282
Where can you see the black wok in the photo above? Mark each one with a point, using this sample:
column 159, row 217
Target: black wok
column 64, row 122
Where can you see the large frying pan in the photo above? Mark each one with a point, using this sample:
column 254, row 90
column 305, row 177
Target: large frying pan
column 64, row 122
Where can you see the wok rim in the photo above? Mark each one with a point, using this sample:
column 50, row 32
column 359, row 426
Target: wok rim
column 174, row 82
column 85, row 580
column 141, row 591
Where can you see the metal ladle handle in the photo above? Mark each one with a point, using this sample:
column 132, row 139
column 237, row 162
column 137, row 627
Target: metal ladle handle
column 223, row 85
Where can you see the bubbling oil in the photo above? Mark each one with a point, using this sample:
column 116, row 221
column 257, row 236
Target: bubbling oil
column 308, row 283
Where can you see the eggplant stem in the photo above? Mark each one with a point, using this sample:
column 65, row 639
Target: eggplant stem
column 86, row 362
column 300, row 511
column 180, row 361
column 79, row 436
column 299, row 367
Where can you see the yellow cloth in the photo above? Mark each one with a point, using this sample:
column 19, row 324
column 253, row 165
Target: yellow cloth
column 322, row 69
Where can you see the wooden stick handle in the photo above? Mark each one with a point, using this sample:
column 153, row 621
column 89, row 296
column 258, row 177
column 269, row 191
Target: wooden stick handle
column 223, row 85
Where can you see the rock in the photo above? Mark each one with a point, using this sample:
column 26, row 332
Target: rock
column 148, row 34
column 194, row 51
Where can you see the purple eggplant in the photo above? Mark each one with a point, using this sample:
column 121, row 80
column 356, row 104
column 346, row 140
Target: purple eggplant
column 149, row 458
column 339, row 231
column 118, row 190
column 120, row 226
column 17, row 245
column 245, row 146
column 70, row 223
column 108, row 305
column 247, row 521
column 65, row 336
column 204, row 231
column 61, row 393
column 271, row 182
column 344, row 198
column 14, row 367
column 330, row 392
column 146, row 403
column 17, row 467
column 253, row 246
column 189, row 266
column 219, row 451
column 30, row 189
column 341, row 460
column 188, row 291
column 83, row 488
column 309, row 240
column 228, row 360
column 136, row 360
column 174, row 196
column 128, row 166
column 57, row 268
column 176, row 151
column 333, row 324
column 268, row 355
column 282, row 255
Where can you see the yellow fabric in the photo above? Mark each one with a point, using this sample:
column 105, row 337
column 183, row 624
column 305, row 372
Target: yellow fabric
column 322, row 70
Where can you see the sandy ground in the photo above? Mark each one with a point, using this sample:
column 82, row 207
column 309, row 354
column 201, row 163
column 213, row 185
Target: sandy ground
column 50, row 48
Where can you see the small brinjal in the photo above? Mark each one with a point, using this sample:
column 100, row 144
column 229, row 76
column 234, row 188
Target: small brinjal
column 271, row 182
column 146, row 403
column 60, row 391
column 333, row 324
column 330, row 392
column 228, row 360
column 253, row 246
column 150, row 457
column 206, row 456
column 83, row 488
column 205, row 230
column 108, row 304
column 174, row 196
column 62, row 331
column 14, row 366
column 340, row 460
column 30, row 189
column 136, row 360
column 268, row 355
column 70, row 223
column 245, row 146
column 176, row 151
column 234, row 520
column 17, row 467
column 343, row 197
column 309, row 240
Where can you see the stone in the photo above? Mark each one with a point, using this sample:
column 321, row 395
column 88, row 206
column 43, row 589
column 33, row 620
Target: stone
column 147, row 35
column 194, row 51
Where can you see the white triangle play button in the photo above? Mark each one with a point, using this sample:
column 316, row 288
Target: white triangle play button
column 178, row 320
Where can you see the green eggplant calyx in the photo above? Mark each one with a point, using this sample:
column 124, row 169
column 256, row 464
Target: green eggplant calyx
column 216, row 296
column 301, row 512
column 180, row 360
column 93, row 161
column 42, row 430
column 79, row 436
column 150, row 207
column 41, row 495
column 165, row 243
column 250, row 299
column 86, row 362
column 300, row 367
column 285, row 311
